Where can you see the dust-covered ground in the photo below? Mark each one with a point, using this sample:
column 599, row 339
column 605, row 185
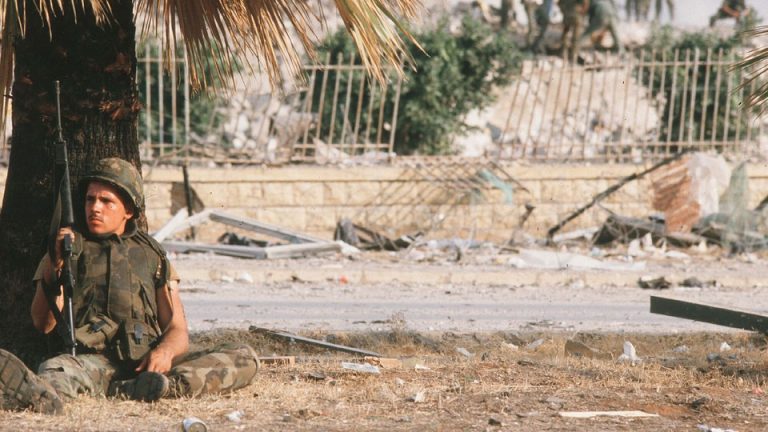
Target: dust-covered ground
column 502, row 382
column 481, row 345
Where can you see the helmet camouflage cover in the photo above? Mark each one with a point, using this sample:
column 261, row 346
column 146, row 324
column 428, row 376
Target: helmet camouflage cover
column 121, row 174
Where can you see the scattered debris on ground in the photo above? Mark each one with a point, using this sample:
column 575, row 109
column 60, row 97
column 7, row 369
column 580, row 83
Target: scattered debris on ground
column 497, row 388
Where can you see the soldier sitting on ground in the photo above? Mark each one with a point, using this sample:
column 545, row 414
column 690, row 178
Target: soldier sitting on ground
column 131, row 332
column 730, row 9
column 602, row 18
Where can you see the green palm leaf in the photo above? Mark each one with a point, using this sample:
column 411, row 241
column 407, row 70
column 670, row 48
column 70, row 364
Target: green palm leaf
column 756, row 63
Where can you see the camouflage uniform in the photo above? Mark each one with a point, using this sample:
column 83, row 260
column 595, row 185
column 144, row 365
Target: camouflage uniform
column 602, row 18
column 115, row 311
column 573, row 23
column 219, row 370
column 541, row 16
column 670, row 6
column 737, row 5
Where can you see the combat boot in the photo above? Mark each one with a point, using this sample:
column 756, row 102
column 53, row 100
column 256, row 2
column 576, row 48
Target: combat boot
column 146, row 387
column 22, row 389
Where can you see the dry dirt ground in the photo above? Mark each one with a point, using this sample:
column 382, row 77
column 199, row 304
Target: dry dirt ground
column 499, row 373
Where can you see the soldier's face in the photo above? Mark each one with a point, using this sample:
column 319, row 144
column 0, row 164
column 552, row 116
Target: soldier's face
column 105, row 212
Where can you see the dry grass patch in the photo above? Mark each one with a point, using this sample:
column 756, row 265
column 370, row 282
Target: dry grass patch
column 498, row 387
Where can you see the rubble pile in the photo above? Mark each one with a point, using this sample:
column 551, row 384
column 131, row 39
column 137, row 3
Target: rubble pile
column 557, row 110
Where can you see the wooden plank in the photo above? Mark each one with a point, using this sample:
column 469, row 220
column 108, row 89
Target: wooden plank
column 709, row 314
column 262, row 228
column 309, row 341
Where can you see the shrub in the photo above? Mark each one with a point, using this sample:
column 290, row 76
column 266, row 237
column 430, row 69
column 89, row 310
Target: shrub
column 455, row 74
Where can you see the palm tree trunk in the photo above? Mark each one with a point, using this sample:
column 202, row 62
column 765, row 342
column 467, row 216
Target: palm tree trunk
column 97, row 69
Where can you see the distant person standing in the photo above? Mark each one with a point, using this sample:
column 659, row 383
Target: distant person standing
column 637, row 10
column 602, row 18
column 736, row 9
column 541, row 16
column 573, row 24
column 670, row 6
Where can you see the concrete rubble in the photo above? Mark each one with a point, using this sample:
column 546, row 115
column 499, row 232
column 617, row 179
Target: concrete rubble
column 544, row 108
column 299, row 245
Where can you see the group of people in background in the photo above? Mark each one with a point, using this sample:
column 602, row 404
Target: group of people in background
column 591, row 20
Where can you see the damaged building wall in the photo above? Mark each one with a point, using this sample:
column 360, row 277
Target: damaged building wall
column 313, row 199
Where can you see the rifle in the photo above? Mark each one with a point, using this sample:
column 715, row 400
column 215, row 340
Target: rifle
column 63, row 193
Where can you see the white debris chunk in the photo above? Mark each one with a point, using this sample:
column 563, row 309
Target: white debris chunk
column 630, row 354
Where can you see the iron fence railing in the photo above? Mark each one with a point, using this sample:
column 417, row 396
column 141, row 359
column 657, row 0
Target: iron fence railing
column 338, row 113
column 644, row 106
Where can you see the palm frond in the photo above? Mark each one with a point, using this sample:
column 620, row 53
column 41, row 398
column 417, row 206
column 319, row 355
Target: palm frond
column 261, row 30
column 376, row 32
column 228, row 29
column 756, row 64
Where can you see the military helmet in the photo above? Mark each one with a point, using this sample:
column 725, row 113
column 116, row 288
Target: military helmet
column 121, row 174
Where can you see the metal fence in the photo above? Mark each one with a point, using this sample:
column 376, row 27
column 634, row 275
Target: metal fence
column 334, row 113
column 643, row 106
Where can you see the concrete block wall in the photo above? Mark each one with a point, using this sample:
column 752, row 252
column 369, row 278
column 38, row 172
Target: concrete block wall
column 311, row 199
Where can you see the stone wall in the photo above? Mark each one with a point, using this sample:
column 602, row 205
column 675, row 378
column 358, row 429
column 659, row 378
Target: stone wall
column 312, row 199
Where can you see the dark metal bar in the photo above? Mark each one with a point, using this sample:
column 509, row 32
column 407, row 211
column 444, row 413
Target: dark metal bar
column 709, row 314
column 296, row 338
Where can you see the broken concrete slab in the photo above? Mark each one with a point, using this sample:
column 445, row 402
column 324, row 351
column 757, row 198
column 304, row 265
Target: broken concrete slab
column 301, row 245
column 253, row 252
column 361, row 368
column 542, row 259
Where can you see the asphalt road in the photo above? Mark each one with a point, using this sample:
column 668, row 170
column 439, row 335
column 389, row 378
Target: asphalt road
column 327, row 294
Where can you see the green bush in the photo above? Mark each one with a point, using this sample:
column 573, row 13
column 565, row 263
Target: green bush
column 454, row 75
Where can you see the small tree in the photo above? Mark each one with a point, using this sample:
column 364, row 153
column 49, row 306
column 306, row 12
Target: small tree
column 454, row 74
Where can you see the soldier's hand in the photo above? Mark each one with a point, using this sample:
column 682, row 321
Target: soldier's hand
column 159, row 360
column 63, row 232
